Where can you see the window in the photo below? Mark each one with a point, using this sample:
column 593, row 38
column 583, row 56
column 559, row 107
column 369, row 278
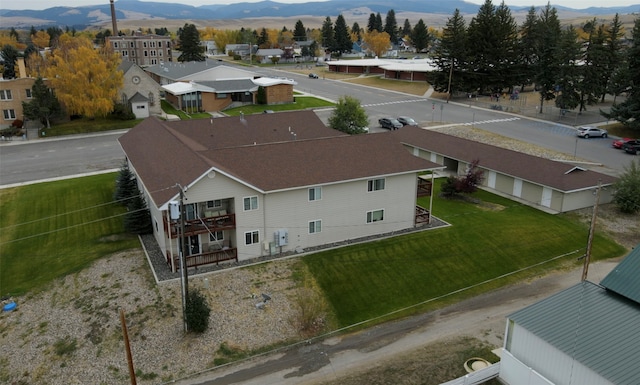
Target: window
column 140, row 107
column 115, row 44
column 9, row 114
column 221, row 95
column 315, row 226
column 151, row 98
column 5, row 95
column 131, row 44
column 251, row 237
column 375, row 216
column 216, row 236
column 125, row 53
column 28, row 92
column 250, row 203
column 212, row 204
column 375, row 184
column 315, row 193
column 144, row 44
column 146, row 53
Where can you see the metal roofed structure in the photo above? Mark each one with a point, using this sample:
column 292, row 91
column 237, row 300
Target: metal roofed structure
column 586, row 334
column 625, row 278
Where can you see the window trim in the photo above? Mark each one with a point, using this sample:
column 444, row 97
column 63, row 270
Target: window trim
column 370, row 216
column 255, row 237
column 251, row 201
column 317, row 226
column 215, row 234
column 377, row 184
column 317, row 193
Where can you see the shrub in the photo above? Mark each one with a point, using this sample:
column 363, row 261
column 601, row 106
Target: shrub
column 197, row 312
column 627, row 190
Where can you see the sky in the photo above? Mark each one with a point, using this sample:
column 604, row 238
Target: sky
column 42, row 4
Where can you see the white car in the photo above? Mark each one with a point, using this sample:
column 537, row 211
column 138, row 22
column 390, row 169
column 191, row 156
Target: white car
column 588, row 132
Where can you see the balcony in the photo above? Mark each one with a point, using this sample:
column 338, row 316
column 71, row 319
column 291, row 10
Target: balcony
column 206, row 258
column 205, row 225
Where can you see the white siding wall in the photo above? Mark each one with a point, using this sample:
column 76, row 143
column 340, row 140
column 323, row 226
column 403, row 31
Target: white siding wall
column 551, row 363
column 342, row 210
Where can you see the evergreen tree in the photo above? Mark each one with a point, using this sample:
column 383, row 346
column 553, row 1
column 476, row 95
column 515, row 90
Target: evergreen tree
column 328, row 40
column 355, row 29
column 197, row 312
column 299, row 32
column 615, row 54
column 261, row 95
column 391, row 26
column 378, row 25
column 569, row 75
column 593, row 81
column 627, row 189
column 189, row 41
column 126, row 186
column 341, row 36
column 263, row 38
column 371, row 24
column 14, row 34
column 349, row 116
column 43, row 106
column 9, row 56
column 451, row 56
column 406, row 29
column 138, row 218
column 420, row 36
column 628, row 112
column 547, row 32
column 527, row 49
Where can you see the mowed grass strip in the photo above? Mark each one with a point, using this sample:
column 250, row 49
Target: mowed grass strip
column 487, row 240
column 48, row 230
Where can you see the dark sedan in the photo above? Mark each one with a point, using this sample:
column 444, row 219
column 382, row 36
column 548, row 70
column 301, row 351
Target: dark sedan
column 390, row 123
column 632, row 147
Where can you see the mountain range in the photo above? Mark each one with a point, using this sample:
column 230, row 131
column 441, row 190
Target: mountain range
column 82, row 17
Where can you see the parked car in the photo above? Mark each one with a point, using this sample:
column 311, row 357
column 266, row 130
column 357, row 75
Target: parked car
column 313, row 76
column 618, row 143
column 588, row 132
column 407, row 121
column 632, row 147
column 390, row 123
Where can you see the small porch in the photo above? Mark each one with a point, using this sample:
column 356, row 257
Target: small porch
column 219, row 221
column 223, row 254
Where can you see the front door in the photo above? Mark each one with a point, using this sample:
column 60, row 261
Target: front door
column 193, row 243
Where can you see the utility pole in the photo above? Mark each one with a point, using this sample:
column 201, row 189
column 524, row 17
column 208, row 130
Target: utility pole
column 127, row 347
column 449, row 86
column 587, row 256
column 184, row 276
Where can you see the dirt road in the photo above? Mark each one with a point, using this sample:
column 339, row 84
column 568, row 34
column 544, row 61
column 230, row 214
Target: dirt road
column 482, row 317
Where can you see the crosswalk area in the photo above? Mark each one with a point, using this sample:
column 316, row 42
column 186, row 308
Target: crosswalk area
column 393, row 102
column 490, row 121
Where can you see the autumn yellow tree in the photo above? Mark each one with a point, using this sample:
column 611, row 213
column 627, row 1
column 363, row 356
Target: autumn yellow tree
column 208, row 33
column 273, row 35
column 86, row 80
column 7, row 39
column 377, row 42
column 222, row 38
column 40, row 39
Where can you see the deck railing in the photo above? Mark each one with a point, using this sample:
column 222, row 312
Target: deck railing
column 201, row 225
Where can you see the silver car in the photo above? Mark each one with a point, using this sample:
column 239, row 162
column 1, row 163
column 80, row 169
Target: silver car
column 407, row 121
column 588, row 132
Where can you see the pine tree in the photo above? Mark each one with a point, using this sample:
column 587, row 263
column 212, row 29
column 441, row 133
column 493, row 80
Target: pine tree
column 126, row 186
column 189, row 42
column 526, row 48
column 371, row 24
column 355, row 29
column 406, row 29
column 420, row 36
column 547, row 32
column 299, row 32
column 328, row 40
column 451, row 56
column 138, row 218
column 628, row 112
column 9, row 55
column 593, row 81
column 614, row 57
column 43, row 106
column 391, row 26
column 569, row 74
column 341, row 36
column 378, row 24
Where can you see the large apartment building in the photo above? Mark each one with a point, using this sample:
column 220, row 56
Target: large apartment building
column 144, row 50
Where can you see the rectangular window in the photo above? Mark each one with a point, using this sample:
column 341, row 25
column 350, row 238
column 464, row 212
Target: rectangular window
column 375, row 184
column 375, row 216
column 9, row 114
column 250, row 203
column 215, row 203
column 221, row 96
column 251, row 237
column 125, row 53
column 216, row 236
column 28, row 92
column 315, row 193
column 315, row 226
column 5, row 95
column 115, row 44
column 144, row 44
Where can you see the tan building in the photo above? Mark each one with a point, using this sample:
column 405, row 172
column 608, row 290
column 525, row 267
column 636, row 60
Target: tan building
column 12, row 93
column 144, row 50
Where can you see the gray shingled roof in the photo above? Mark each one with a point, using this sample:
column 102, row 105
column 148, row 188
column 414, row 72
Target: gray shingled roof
column 266, row 151
column 625, row 278
column 138, row 97
column 598, row 328
column 557, row 175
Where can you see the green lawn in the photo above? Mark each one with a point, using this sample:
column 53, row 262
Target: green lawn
column 84, row 125
column 485, row 242
column 48, row 230
column 300, row 103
